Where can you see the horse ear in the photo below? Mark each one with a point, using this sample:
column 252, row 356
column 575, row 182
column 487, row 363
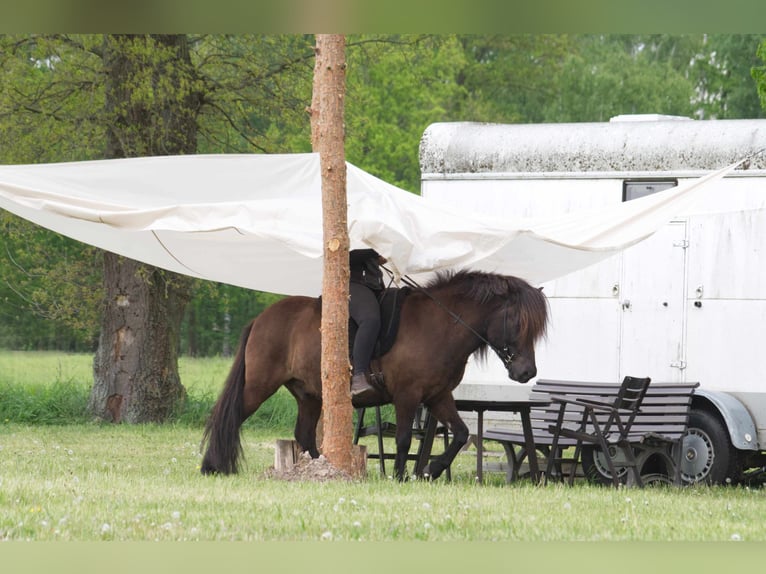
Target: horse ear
column 541, row 288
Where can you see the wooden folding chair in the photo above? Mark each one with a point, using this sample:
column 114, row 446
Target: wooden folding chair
column 601, row 424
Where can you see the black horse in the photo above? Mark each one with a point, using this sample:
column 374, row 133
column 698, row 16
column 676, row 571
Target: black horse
column 441, row 326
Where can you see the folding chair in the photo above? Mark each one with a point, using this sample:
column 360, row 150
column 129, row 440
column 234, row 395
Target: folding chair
column 601, row 424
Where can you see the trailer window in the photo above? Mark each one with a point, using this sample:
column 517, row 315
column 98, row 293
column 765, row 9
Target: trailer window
column 636, row 189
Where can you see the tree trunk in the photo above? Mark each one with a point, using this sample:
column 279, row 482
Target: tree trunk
column 152, row 108
column 328, row 139
column 136, row 365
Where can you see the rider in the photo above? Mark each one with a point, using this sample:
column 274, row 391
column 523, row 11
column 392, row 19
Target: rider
column 366, row 283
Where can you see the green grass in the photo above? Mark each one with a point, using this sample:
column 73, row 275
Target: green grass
column 94, row 482
column 53, row 388
column 72, row 479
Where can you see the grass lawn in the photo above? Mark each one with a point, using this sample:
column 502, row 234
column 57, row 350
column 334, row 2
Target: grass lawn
column 94, row 482
column 84, row 481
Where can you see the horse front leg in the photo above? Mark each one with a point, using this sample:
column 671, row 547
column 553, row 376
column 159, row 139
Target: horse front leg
column 309, row 411
column 405, row 416
column 446, row 412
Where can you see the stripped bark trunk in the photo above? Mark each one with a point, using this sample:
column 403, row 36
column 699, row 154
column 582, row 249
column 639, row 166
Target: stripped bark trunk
column 328, row 139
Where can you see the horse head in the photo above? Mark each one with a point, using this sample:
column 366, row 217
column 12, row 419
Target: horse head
column 517, row 354
column 515, row 328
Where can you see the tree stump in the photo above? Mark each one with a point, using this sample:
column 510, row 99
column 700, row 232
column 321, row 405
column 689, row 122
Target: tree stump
column 286, row 455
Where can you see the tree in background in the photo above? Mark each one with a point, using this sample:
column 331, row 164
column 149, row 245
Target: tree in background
column 399, row 85
column 736, row 93
column 52, row 108
column 608, row 76
column 152, row 99
column 759, row 74
column 50, row 286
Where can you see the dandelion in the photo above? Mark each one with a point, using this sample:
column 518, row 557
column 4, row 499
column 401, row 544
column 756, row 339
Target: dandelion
column 106, row 528
column 426, row 506
column 327, row 535
column 736, row 537
column 176, row 515
column 567, row 506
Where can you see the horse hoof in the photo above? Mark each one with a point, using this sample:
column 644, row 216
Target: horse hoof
column 432, row 473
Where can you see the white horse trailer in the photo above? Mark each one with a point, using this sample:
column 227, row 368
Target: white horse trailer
column 686, row 304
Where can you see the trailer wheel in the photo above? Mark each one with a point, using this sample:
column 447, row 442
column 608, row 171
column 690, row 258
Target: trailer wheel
column 654, row 466
column 708, row 456
column 596, row 469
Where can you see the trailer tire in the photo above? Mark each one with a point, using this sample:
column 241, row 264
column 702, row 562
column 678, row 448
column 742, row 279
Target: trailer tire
column 596, row 469
column 654, row 465
column 708, row 456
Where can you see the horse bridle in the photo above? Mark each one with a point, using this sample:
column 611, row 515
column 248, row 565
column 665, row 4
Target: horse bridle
column 505, row 354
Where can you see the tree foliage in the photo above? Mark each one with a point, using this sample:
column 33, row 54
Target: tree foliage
column 759, row 74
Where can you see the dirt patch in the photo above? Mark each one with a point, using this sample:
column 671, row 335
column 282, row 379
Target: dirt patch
column 309, row 469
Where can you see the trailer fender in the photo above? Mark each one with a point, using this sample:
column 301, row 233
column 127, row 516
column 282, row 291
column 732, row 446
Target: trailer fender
column 738, row 421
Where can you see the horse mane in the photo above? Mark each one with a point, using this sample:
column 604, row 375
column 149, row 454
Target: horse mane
column 486, row 288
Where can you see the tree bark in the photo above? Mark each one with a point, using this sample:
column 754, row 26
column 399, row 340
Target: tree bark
column 136, row 364
column 328, row 139
column 152, row 109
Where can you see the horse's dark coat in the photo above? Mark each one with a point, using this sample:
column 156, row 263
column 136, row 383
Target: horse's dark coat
column 426, row 362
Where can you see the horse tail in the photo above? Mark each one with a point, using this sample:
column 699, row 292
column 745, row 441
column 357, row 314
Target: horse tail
column 224, row 446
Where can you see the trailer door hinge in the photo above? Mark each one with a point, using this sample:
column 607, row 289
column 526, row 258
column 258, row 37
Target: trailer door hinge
column 680, row 365
column 683, row 243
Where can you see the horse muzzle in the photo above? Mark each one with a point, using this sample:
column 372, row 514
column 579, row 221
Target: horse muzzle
column 522, row 372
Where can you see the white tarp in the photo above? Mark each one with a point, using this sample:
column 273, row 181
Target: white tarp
column 256, row 220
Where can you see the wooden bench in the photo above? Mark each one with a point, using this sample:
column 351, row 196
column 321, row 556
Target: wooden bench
column 660, row 425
